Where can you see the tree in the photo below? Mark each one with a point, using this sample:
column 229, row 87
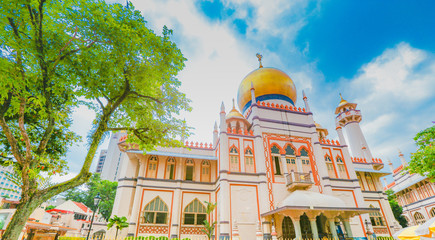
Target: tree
column 58, row 55
column 209, row 227
column 95, row 185
column 423, row 161
column 396, row 208
column 119, row 222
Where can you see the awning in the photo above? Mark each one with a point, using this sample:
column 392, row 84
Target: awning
column 314, row 202
column 370, row 170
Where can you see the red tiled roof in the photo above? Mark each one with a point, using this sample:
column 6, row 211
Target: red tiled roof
column 82, row 206
column 59, row 210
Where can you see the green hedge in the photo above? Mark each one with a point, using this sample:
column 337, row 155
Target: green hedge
column 151, row 238
column 71, row 238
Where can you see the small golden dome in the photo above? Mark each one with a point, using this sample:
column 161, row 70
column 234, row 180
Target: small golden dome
column 342, row 102
column 269, row 83
column 317, row 125
column 234, row 113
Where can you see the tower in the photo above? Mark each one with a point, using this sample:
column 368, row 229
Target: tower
column 348, row 117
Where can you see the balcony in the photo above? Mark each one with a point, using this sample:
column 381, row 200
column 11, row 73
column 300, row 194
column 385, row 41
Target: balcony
column 299, row 181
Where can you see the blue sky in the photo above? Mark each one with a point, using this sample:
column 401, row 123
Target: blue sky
column 378, row 54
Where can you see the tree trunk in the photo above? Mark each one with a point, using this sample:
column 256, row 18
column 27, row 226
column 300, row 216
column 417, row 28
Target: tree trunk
column 116, row 236
column 19, row 218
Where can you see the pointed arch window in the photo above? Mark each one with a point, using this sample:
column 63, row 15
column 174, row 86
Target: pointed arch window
column 370, row 182
column 274, row 150
column 305, row 159
column 152, row 167
column 170, row 168
column 330, row 166
column 155, row 212
column 205, row 171
column 290, row 158
column 195, row 213
column 432, row 212
column 189, row 170
column 376, row 218
column 234, row 159
column 249, row 161
column 341, row 167
column 419, row 219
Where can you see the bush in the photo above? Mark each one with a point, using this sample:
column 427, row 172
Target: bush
column 71, row 238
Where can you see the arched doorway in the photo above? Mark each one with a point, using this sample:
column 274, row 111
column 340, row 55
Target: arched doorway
column 288, row 229
column 322, row 228
column 305, row 227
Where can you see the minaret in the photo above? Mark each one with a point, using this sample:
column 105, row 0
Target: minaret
column 402, row 159
column 222, row 126
column 349, row 118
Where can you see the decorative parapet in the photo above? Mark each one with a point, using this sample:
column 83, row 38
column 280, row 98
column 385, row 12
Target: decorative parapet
column 330, row 142
column 358, row 160
column 123, row 138
column 400, row 168
column 240, row 132
column 198, row 145
column 377, row 160
column 282, row 106
column 390, row 185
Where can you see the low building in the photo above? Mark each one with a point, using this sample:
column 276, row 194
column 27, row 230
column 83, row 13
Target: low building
column 415, row 193
column 78, row 216
column 38, row 225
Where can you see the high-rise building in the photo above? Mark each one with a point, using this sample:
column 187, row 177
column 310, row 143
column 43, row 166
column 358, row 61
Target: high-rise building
column 8, row 189
column 112, row 161
column 101, row 160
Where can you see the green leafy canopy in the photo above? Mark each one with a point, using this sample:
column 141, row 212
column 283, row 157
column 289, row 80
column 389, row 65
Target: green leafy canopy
column 423, row 160
column 59, row 55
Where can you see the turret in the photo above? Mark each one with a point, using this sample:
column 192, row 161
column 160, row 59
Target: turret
column 348, row 118
column 391, row 166
column 402, row 159
column 307, row 107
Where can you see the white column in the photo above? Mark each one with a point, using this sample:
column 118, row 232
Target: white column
column 332, row 227
column 314, row 228
column 137, row 198
column 347, row 227
column 297, row 226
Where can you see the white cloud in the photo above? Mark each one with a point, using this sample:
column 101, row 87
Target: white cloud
column 395, row 92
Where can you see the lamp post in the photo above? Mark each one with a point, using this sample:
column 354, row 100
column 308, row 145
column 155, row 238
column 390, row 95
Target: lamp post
column 97, row 200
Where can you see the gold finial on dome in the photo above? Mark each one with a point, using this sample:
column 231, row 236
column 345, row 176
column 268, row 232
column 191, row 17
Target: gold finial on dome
column 342, row 102
column 259, row 56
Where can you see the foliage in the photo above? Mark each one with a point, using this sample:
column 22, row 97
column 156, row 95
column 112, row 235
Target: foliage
column 209, row 227
column 119, row 222
column 59, row 55
column 396, row 208
column 71, row 238
column 423, row 160
column 50, row 207
column 95, row 185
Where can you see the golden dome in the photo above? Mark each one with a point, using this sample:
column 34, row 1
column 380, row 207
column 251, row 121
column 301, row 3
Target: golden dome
column 342, row 102
column 269, row 83
column 234, row 113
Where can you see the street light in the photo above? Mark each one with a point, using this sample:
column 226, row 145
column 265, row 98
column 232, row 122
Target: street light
column 97, row 200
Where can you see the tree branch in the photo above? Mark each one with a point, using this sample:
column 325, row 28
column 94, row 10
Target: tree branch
column 23, row 129
column 147, row 97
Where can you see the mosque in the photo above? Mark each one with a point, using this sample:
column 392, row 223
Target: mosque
column 271, row 170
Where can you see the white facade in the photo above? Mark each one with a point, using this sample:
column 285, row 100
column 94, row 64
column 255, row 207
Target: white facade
column 101, row 160
column 415, row 193
column 270, row 169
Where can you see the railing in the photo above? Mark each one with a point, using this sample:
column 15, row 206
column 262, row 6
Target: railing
column 297, row 180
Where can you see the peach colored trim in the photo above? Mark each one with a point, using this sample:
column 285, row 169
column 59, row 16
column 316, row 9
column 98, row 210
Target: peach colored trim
column 344, row 162
column 253, row 153
column 383, row 214
column 166, row 167
column 141, row 203
column 238, row 151
column 356, row 204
